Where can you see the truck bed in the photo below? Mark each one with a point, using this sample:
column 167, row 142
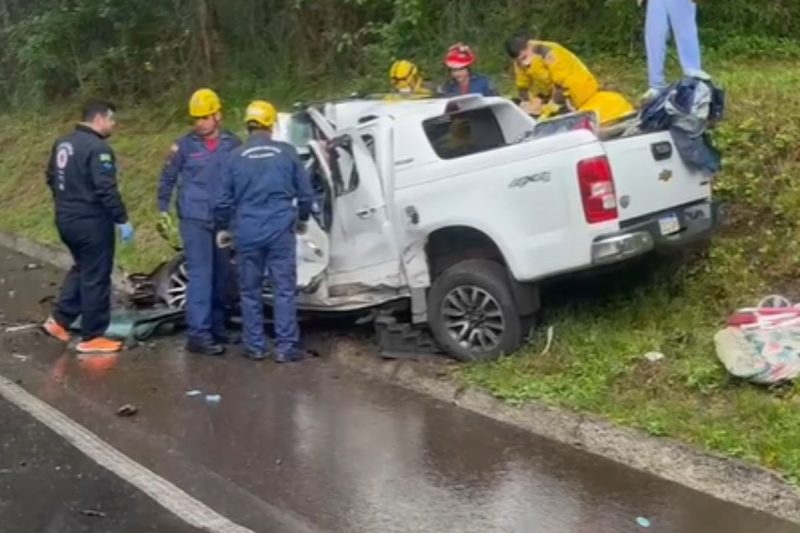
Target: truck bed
column 650, row 176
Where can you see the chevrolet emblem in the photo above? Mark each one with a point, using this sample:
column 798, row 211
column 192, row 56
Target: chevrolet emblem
column 665, row 175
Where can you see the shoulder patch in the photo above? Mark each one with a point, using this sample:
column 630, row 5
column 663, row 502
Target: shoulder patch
column 106, row 161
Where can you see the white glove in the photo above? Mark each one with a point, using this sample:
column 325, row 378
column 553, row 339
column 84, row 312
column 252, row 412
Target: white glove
column 224, row 239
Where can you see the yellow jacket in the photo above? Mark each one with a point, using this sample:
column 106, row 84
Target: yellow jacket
column 417, row 94
column 554, row 67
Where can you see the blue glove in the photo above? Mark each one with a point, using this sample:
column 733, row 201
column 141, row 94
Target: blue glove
column 126, row 232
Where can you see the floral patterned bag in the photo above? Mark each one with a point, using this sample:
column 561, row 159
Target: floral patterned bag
column 762, row 344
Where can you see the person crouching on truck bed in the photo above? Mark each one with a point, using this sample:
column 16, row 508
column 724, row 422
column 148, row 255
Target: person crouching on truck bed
column 458, row 59
column 551, row 80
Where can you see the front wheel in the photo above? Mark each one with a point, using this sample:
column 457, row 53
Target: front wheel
column 174, row 282
column 472, row 312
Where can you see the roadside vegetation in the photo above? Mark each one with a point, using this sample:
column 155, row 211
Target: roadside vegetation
column 603, row 327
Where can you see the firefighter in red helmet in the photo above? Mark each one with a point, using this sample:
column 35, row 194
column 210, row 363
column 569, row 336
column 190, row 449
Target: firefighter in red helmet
column 459, row 60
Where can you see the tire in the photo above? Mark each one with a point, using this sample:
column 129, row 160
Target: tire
column 173, row 282
column 471, row 311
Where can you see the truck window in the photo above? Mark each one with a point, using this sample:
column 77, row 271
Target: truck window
column 344, row 171
column 369, row 141
column 465, row 133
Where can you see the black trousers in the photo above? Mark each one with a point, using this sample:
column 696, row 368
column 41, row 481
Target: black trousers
column 86, row 291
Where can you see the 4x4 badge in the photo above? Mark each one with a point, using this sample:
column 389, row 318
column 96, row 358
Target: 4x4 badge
column 541, row 177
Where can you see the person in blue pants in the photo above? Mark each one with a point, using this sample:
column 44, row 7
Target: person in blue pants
column 265, row 198
column 195, row 165
column 681, row 16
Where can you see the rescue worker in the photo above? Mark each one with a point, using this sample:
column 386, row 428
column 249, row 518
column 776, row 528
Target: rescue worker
column 195, row 164
column 681, row 16
column 551, row 79
column 82, row 176
column 265, row 198
column 458, row 59
column 407, row 81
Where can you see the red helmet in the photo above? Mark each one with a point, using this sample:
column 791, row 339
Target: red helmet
column 459, row 56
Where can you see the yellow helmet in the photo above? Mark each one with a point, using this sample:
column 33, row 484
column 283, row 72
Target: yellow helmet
column 404, row 76
column 260, row 112
column 204, row 102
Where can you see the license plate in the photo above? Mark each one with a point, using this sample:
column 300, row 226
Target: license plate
column 669, row 224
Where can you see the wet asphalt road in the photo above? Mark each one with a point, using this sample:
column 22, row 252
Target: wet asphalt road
column 306, row 447
column 46, row 485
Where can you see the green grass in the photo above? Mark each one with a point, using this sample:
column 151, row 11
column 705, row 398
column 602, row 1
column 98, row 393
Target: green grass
column 603, row 329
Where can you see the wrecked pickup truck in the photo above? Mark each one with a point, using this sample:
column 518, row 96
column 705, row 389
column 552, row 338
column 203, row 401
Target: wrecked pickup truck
column 444, row 215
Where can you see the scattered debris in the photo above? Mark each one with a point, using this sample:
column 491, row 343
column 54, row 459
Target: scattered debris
column 21, row 327
column 213, row 398
column 5, row 471
column 278, row 462
column 194, row 392
column 20, row 357
column 761, row 344
column 549, row 342
column 93, row 513
column 33, row 266
column 642, row 521
column 127, row 410
column 11, row 294
column 654, row 357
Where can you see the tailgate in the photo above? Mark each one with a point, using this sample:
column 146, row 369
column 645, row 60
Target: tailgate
column 650, row 177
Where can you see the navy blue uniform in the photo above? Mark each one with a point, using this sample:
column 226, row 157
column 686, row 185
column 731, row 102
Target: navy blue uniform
column 265, row 192
column 478, row 84
column 82, row 176
column 196, row 167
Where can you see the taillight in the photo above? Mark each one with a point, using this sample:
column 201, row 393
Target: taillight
column 597, row 190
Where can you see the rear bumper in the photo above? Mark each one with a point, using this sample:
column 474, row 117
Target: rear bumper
column 697, row 222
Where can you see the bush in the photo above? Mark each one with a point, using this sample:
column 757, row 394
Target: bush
column 58, row 48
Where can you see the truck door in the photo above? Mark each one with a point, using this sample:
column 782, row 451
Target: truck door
column 313, row 247
column 367, row 242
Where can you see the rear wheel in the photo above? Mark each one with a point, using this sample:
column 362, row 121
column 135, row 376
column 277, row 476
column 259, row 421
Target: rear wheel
column 472, row 312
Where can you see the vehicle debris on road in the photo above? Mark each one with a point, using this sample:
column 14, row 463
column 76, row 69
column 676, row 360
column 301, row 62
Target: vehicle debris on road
column 127, row 410
column 93, row 513
column 21, row 327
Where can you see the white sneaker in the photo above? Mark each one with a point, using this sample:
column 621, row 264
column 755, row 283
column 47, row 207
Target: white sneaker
column 651, row 94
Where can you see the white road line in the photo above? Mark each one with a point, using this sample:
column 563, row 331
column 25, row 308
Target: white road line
column 166, row 494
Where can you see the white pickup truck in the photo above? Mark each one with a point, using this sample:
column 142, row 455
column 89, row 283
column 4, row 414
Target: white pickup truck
column 451, row 211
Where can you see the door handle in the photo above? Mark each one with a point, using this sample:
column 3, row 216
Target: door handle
column 366, row 212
